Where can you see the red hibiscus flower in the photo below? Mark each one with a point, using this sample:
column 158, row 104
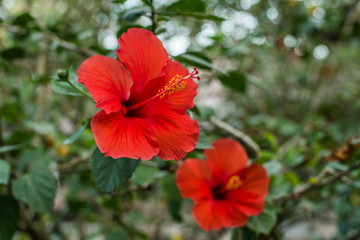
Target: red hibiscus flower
column 225, row 189
column 143, row 105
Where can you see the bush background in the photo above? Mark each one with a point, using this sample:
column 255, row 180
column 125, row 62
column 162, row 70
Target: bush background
column 284, row 72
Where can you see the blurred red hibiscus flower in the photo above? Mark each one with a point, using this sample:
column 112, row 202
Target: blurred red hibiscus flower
column 143, row 105
column 224, row 188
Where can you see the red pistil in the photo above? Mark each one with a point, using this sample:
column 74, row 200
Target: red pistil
column 123, row 110
column 195, row 72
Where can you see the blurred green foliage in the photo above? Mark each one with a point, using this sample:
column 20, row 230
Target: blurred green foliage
column 284, row 72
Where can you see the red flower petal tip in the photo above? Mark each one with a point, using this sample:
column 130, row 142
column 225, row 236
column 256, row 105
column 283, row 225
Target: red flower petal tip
column 224, row 188
column 143, row 105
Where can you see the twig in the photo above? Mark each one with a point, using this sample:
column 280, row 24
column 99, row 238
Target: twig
column 70, row 46
column 344, row 179
column 153, row 17
column 343, row 153
column 62, row 43
column 73, row 162
column 350, row 20
column 242, row 137
column 149, row 164
column 303, row 189
column 42, row 95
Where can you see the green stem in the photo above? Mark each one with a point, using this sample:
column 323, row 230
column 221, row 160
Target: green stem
column 77, row 89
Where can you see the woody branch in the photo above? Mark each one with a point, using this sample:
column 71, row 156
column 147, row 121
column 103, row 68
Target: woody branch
column 343, row 153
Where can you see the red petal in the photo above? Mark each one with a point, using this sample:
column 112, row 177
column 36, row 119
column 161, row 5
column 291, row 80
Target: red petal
column 256, row 180
column 227, row 158
column 246, row 203
column 119, row 136
column 204, row 214
column 193, row 179
column 143, row 55
column 177, row 134
column 107, row 81
column 249, row 197
column 181, row 100
column 228, row 215
column 212, row 214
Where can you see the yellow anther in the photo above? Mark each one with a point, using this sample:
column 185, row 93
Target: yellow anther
column 174, row 85
column 233, row 183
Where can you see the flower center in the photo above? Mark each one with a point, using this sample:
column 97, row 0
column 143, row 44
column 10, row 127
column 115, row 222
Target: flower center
column 219, row 191
column 233, row 183
column 176, row 83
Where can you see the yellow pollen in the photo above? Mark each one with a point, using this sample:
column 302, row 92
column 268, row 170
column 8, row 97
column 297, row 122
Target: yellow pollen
column 174, row 85
column 233, row 183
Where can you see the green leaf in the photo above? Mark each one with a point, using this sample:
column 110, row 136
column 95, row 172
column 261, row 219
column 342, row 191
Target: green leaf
column 198, row 60
column 9, row 148
column 195, row 15
column 64, row 87
column 119, row 1
column 117, row 234
column 284, row 126
column 73, row 79
column 202, row 16
column 4, row 172
column 24, row 19
column 148, row 3
column 204, row 141
column 133, row 14
column 9, row 217
column 135, row 232
column 124, row 28
column 33, row 159
column 144, row 175
column 338, row 166
column 234, row 80
column 235, row 234
column 109, row 173
column 13, row 53
column 174, row 207
column 265, row 156
column 204, row 112
column 264, row 222
column 37, row 188
column 243, row 233
column 41, row 79
column 292, row 178
column 172, row 195
column 66, row 82
column 272, row 140
column 195, row 59
column 76, row 135
column 247, row 234
column 272, row 167
column 169, row 187
column 188, row 6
